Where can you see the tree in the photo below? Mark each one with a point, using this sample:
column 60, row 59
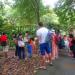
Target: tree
column 28, row 9
column 1, row 14
column 50, row 17
column 65, row 9
column 5, row 26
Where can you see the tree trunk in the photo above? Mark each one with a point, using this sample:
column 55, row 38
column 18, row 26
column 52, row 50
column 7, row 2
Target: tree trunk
column 36, row 6
column 38, row 11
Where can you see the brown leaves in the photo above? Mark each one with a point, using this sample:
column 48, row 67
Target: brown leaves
column 13, row 66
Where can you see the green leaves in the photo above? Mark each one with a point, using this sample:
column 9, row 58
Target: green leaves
column 66, row 12
column 27, row 13
column 27, row 9
column 50, row 18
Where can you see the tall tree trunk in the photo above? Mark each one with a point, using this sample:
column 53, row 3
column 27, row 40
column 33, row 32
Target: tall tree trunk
column 38, row 11
column 36, row 7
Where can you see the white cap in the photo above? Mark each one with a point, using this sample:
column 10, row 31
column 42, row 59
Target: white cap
column 53, row 31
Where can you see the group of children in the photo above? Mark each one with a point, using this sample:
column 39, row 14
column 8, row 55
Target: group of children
column 25, row 46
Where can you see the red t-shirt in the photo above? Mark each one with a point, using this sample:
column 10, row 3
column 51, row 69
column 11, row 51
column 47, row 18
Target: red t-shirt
column 55, row 39
column 3, row 38
column 0, row 39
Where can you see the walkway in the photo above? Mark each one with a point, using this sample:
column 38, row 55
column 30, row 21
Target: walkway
column 62, row 66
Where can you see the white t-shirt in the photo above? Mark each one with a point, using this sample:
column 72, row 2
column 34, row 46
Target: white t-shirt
column 20, row 43
column 42, row 34
column 25, row 39
column 66, row 43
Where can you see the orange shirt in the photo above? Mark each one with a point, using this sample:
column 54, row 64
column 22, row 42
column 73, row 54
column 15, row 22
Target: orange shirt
column 33, row 46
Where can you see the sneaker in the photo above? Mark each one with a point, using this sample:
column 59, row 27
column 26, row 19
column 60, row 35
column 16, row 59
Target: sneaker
column 51, row 64
column 43, row 67
column 47, row 61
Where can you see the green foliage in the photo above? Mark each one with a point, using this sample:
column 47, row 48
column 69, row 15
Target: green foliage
column 50, row 17
column 1, row 22
column 65, row 9
column 28, row 10
column 24, row 15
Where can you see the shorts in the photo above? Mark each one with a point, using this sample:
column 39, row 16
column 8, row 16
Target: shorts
column 4, row 43
column 5, row 48
column 29, row 47
column 45, row 48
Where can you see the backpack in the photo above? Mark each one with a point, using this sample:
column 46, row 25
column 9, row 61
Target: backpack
column 48, row 37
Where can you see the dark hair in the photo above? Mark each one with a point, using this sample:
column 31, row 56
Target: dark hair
column 40, row 24
column 20, row 34
column 71, row 35
column 32, row 38
column 64, row 35
column 3, row 33
column 27, row 31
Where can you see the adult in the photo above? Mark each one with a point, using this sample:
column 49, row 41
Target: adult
column 66, row 41
column 21, row 51
column 42, row 33
column 54, row 45
column 4, row 41
column 73, row 47
column 70, row 42
column 15, row 40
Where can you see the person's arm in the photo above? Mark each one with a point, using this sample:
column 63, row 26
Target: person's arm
column 38, row 35
column 7, row 41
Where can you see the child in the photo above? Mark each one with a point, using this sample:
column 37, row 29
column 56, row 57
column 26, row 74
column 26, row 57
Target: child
column 32, row 47
column 29, row 47
column 66, row 43
column 32, row 42
column 70, row 44
column 36, row 46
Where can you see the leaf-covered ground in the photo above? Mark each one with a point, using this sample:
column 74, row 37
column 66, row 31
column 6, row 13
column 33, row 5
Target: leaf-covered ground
column 13, row 66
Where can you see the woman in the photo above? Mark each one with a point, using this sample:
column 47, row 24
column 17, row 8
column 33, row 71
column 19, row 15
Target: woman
column 54, row 46
column 73, row 47
column 4, row 44
column 21, row 51
column 15, row 40
column 26, row 41
column 71, row 44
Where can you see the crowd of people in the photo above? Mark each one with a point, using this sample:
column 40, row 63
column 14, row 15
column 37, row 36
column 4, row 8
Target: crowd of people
column 46, row 44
